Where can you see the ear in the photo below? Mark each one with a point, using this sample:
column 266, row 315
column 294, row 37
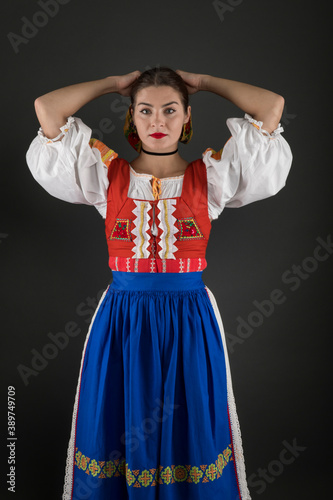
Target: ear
column 188, row 114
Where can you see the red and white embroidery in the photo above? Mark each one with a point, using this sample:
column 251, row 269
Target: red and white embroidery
column 141, row 223
column 167, row 222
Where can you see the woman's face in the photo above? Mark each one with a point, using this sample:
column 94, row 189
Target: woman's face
column 159, row 110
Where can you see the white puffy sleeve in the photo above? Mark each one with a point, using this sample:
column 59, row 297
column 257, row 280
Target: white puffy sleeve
column 253, row 165
column 74, row 169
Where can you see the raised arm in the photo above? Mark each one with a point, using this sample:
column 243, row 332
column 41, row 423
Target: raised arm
column 53, row 109
column 76, row 170
column 263, row 105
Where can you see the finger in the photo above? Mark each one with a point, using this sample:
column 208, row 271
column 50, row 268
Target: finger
column 134, row 75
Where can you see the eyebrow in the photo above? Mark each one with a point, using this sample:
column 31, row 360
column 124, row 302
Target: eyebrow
column 163, row 106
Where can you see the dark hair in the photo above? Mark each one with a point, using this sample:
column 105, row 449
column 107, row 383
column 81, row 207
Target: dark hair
column 158, row 77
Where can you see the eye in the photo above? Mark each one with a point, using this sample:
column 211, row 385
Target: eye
column 145, row 111
column 170, row 111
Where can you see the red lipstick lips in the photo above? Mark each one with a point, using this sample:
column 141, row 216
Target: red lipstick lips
column 158, row 135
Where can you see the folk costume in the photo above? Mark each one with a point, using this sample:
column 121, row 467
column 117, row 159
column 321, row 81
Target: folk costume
column 154, row 415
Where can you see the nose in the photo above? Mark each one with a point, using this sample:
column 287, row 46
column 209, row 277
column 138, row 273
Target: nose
column 158, row 120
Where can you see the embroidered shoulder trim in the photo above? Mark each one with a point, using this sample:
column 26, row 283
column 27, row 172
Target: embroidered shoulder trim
column 215, row 154
column 106, row 153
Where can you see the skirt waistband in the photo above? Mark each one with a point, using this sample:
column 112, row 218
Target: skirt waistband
column 123, row 280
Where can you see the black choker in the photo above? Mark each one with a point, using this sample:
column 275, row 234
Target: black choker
column 158, row 154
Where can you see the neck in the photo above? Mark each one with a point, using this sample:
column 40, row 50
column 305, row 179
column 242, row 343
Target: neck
column 159, row 166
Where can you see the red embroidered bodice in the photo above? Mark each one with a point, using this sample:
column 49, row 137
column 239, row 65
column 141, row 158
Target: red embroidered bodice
column 160, row 235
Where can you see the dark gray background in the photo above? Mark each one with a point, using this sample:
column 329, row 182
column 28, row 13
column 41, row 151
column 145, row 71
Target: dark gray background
column 54, row 254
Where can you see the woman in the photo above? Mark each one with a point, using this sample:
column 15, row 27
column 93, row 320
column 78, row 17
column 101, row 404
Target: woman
column 154, row 414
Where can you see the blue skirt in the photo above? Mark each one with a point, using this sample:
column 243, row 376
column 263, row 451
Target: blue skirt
column 154, row 414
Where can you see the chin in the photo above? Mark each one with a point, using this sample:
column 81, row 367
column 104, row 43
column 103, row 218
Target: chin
column 159, row 146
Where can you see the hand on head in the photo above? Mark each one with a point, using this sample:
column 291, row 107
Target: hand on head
column 193, row 81
column 125, row 82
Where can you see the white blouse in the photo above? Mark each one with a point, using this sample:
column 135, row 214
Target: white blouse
column 253, row 165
